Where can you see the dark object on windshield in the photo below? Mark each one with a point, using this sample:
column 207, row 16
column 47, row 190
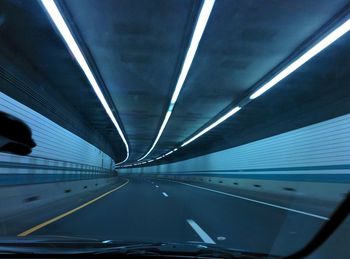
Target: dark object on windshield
column 15, row 135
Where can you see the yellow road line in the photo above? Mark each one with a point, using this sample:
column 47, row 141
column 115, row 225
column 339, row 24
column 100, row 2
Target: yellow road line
column 31, row 230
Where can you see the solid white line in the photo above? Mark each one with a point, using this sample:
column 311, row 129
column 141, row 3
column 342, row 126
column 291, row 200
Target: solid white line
column 166, row 195
column 201, row 233
column 256, row 201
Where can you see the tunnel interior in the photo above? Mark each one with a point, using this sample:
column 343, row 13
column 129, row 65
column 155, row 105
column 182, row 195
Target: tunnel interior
column 160, row 93
column 137, row 61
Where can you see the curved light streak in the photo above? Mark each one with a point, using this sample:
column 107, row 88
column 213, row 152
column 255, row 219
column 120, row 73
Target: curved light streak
column 62, row 27
column 196, row 37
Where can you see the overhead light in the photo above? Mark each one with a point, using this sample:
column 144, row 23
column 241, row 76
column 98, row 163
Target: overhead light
column 324, row 43
column 321, row 45
column 170, row 152
column 213, row 125
column 167, row 116
column 196, row 37
column 62, row 27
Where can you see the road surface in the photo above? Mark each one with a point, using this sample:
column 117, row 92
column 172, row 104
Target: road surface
column 146, row 209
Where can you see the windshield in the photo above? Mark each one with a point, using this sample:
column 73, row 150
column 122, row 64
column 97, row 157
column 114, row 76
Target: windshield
column 221, row 123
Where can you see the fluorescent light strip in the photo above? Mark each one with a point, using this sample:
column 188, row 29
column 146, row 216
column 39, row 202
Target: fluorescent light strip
column 170, row 152
column 213, row 125
column 197, row 35
column 324, row 43
column 167, row 116
column 62, row 27
column 217, row 122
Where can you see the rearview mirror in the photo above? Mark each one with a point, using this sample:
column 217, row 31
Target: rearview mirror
column 15, row 135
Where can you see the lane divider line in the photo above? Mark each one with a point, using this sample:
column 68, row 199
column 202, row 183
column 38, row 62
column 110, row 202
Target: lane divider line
column 37, row 227
column 201, row 233
column 165, row 195
column 256, row 201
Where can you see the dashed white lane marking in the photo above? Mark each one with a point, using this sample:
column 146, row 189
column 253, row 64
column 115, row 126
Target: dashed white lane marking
column 157, row 186
column 201, row 233
column 256, row 201
column 165, row 195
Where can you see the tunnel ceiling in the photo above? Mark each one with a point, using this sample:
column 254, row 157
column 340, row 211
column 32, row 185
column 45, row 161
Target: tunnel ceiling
column 136, row 49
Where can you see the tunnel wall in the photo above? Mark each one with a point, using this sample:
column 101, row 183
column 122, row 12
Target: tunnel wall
column 62, row 165
column 59, row 155
column 28, row 197
column 313, row 161
column 22, row 81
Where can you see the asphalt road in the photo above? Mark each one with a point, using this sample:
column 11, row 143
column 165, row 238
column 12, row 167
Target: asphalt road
column 161, row 210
